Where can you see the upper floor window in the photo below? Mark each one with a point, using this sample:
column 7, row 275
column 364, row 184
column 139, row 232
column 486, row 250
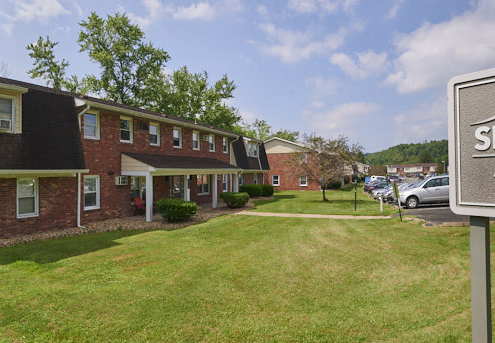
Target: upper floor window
column 154, row 134
column 125, row 130
column 195, row 140
column 303, row 158
column 91, row 126
column 253, row 149
column 225, row 145
column 211, row 142
column 27, row 197
column 7, row 116
column 177, row 137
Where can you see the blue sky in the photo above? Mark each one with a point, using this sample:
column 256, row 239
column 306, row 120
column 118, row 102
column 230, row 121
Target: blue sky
column 374, row 71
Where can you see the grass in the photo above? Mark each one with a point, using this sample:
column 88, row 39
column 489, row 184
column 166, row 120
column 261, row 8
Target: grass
column 242, row 279
column 340, row 201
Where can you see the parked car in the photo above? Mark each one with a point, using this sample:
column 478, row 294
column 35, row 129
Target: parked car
column 389, row 196
column 394, row 178
column 380, row 184
column 431, row 190
column 377, row 192
column 378, row 178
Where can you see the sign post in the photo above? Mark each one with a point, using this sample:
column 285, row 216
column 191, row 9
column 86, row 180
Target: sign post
column 471, row 113
column 396, row 195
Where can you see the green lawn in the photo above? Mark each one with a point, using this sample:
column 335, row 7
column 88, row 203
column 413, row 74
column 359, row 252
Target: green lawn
column 339, row 202
column 242, row 279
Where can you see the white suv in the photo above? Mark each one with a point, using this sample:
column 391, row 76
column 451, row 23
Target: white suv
column 432, row 190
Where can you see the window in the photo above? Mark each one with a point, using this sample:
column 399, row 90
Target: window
column 225, row 183
column 255, row 178
column 445, row 181
column 138, row 188
column 91, row 192
column 154, row 134
column 91, row 126
column 225, row 145
column 195, row 140
column 203, row 183
column 27, row 197
column 177, row 137
column 241, row 180
column 303, row 181
column 211, row 142
column 253, row 149
column 125, row 130
column 275, row 180
column 303, row 158
column 7, row 117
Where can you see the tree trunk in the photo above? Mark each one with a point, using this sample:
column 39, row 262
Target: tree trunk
column 324, row 198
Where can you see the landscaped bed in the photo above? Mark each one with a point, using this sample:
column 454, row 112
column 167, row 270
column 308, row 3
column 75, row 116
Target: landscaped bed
column 340, row 201
column 240, row 278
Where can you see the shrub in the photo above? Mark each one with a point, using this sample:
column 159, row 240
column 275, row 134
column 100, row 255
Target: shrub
column 335, row 185
column 235, row 200
column 252, row 190
column 266, row 190
column 347, row 179
column 176, row 210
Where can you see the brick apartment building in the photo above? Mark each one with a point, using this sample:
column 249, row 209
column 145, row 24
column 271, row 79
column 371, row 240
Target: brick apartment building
column 412, row 169
column 281, row 176
column 68, row 159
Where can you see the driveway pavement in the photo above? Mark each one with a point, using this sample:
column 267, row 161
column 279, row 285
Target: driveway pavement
column 436, row 215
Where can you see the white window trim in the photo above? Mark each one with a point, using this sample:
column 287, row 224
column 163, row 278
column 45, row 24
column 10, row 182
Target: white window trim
column 209, row 185
column 278, row 180
column 300, row 181
column 180, row 137
column 131, row 128
column 36, row 199
column 213, row 142
column 225, row 181
column 97, row 128
column 157, row 133
column 225, row 145
column 97, row 206
column 199, row 140
column 13, row 112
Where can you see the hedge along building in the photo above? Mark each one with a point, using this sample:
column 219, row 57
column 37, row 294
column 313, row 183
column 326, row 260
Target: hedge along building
column 68, row 159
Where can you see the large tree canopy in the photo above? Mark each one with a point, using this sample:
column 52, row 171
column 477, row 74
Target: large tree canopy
column 132, row 73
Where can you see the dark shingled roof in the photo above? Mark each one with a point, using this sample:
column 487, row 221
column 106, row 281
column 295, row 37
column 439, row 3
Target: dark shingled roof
column 180, row 162
column 50, row 138
column 109, row 103
column 250, row 163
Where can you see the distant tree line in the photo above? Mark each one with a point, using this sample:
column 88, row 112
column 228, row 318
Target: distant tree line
column 427, row 152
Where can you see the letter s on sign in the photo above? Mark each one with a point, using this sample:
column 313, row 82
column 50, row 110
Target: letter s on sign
column 479, row 136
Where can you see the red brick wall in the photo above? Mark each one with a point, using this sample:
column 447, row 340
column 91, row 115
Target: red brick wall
column 103, row 157
column 288, row 179
column 248, row 178
column 57, row 206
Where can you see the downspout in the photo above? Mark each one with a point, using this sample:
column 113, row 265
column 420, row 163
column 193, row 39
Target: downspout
column 80, row 114
column 79, row 200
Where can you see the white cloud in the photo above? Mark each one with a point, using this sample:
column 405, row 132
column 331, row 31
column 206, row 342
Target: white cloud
column 368, row 62
column 394, row 10
column 432, row 54
column 427, row 121
column 263, row 12
column 317, row 104
column 321, row 87
column 249, row 117
column 201, row 10
column 322, row 6
column 41, row 10
column 339, row 119
column 7, row 28
column 293, row 46
column 154, row 8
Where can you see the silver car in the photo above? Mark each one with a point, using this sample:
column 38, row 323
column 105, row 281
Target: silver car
column 431, row 190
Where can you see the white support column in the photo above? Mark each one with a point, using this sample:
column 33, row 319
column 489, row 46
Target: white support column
column 149, row 197
column 187, row 191
column 235, row 182
column 214, row 191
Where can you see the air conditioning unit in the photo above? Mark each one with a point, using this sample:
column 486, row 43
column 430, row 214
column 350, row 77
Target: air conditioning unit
column 121, row 180
column 5, row 124
column 206, row 138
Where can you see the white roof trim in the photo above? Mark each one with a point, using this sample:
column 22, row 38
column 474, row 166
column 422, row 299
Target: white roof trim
column 13, row 88
column 289, row 142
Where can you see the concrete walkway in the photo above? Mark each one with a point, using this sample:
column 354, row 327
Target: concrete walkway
column 300, row 215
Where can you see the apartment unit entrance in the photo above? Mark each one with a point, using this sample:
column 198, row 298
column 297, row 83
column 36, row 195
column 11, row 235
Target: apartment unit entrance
column 177, row 187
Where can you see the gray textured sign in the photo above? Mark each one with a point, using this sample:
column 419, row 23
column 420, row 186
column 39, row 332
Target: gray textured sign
column 471, row 99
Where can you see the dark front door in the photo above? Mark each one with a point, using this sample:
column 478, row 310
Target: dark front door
column 177, row 187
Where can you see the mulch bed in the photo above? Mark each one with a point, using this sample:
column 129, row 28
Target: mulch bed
column 129, row 223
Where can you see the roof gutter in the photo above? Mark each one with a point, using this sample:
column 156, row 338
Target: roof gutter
column 157, row 118
column 79, row 115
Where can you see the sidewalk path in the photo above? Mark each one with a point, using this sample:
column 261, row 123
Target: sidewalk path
column 300, row 215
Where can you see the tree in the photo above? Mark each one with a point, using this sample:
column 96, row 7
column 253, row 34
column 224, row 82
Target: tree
column 45, row 65
column 132, row 73
column 378, row 170
column 327, row 160
column 288, row 135
column 424, row 157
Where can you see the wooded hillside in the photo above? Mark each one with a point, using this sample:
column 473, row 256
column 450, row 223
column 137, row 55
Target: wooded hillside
column 433, row 151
